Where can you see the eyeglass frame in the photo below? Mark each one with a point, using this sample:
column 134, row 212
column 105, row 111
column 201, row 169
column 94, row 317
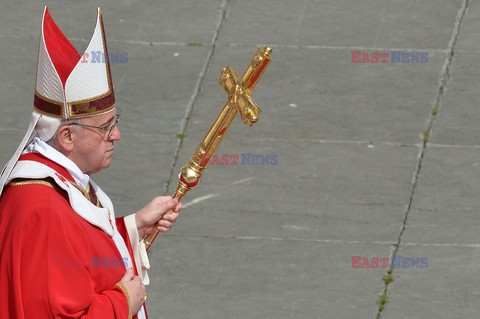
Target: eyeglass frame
column 106, row 129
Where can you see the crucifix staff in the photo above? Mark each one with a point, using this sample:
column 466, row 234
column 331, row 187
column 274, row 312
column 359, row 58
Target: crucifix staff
column 239, row 101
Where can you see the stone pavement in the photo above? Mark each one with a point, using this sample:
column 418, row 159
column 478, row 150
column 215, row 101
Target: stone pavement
column 377, row 160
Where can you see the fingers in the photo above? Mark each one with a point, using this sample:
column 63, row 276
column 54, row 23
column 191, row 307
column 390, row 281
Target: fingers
column 140, row 287
column 177, row 208
column 170, row 217
column 170, row 204
column 128, row 276
column 135, row 289
column 164, row 204
column 167, row 222
column 161, row 212
column 136, row 293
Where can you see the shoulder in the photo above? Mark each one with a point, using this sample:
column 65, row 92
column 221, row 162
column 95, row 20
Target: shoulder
column 25, row 196
column 30, row 187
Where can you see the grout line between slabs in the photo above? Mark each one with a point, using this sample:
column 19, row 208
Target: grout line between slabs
column 198, row 87
column 443, row 80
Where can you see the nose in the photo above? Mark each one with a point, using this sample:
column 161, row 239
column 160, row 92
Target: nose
column 116, row 135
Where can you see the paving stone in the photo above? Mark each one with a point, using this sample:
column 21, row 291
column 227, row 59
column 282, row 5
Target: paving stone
column 276, row 240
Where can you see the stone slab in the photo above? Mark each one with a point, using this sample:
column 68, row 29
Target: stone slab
column 447, row 288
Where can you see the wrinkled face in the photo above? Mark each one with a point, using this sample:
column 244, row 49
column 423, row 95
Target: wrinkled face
column 93, row 148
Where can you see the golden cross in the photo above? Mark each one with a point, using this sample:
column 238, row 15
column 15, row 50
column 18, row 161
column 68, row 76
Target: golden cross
column 239, row 101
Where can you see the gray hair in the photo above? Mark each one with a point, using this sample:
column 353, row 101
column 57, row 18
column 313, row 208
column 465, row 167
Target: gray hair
column 63, row 122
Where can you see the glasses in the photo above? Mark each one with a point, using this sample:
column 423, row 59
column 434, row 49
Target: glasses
column 108, row 129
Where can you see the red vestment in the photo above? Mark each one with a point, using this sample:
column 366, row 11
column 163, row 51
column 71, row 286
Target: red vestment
column 53, row 263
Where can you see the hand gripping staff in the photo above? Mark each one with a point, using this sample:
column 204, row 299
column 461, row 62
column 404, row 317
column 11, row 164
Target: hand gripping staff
column 239, row 101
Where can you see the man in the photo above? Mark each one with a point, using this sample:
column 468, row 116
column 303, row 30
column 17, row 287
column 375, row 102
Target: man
column 62, row 252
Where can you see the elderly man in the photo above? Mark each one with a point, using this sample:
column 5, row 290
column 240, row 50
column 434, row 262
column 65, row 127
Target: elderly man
column 63, row 254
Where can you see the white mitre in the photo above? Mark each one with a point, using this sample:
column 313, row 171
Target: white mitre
column 68, row 86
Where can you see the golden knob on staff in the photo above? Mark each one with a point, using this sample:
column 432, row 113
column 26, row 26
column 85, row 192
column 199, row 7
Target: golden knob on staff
column 239, row 101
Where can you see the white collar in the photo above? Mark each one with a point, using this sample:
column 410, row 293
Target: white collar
column 39, row 146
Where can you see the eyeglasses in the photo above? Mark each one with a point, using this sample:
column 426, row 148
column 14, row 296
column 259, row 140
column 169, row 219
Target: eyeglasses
column 108, row 129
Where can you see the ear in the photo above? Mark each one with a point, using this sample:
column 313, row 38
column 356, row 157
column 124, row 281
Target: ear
column 65, row 137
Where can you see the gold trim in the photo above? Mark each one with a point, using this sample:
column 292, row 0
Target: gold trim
column 121, row 285
column 77, row 117
column 48, row 99
column 83, row 191
column 105, row 51
column 32, row 182
column 90, row 99
column 72, row 116
column 48, row 114
column 86, row 194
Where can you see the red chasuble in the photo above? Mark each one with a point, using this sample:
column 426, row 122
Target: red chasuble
column 53, row 263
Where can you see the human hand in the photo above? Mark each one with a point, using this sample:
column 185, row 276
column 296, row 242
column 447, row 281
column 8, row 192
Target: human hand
column 135, row 289
column 161, row 212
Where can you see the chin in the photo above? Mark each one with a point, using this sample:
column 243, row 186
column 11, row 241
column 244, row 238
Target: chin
column 106, row 163
column 100, row 167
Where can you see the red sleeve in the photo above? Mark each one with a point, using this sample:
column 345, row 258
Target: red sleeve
column 44, row 260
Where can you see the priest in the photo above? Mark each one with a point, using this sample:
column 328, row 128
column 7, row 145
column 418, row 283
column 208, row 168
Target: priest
column 63, row 254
